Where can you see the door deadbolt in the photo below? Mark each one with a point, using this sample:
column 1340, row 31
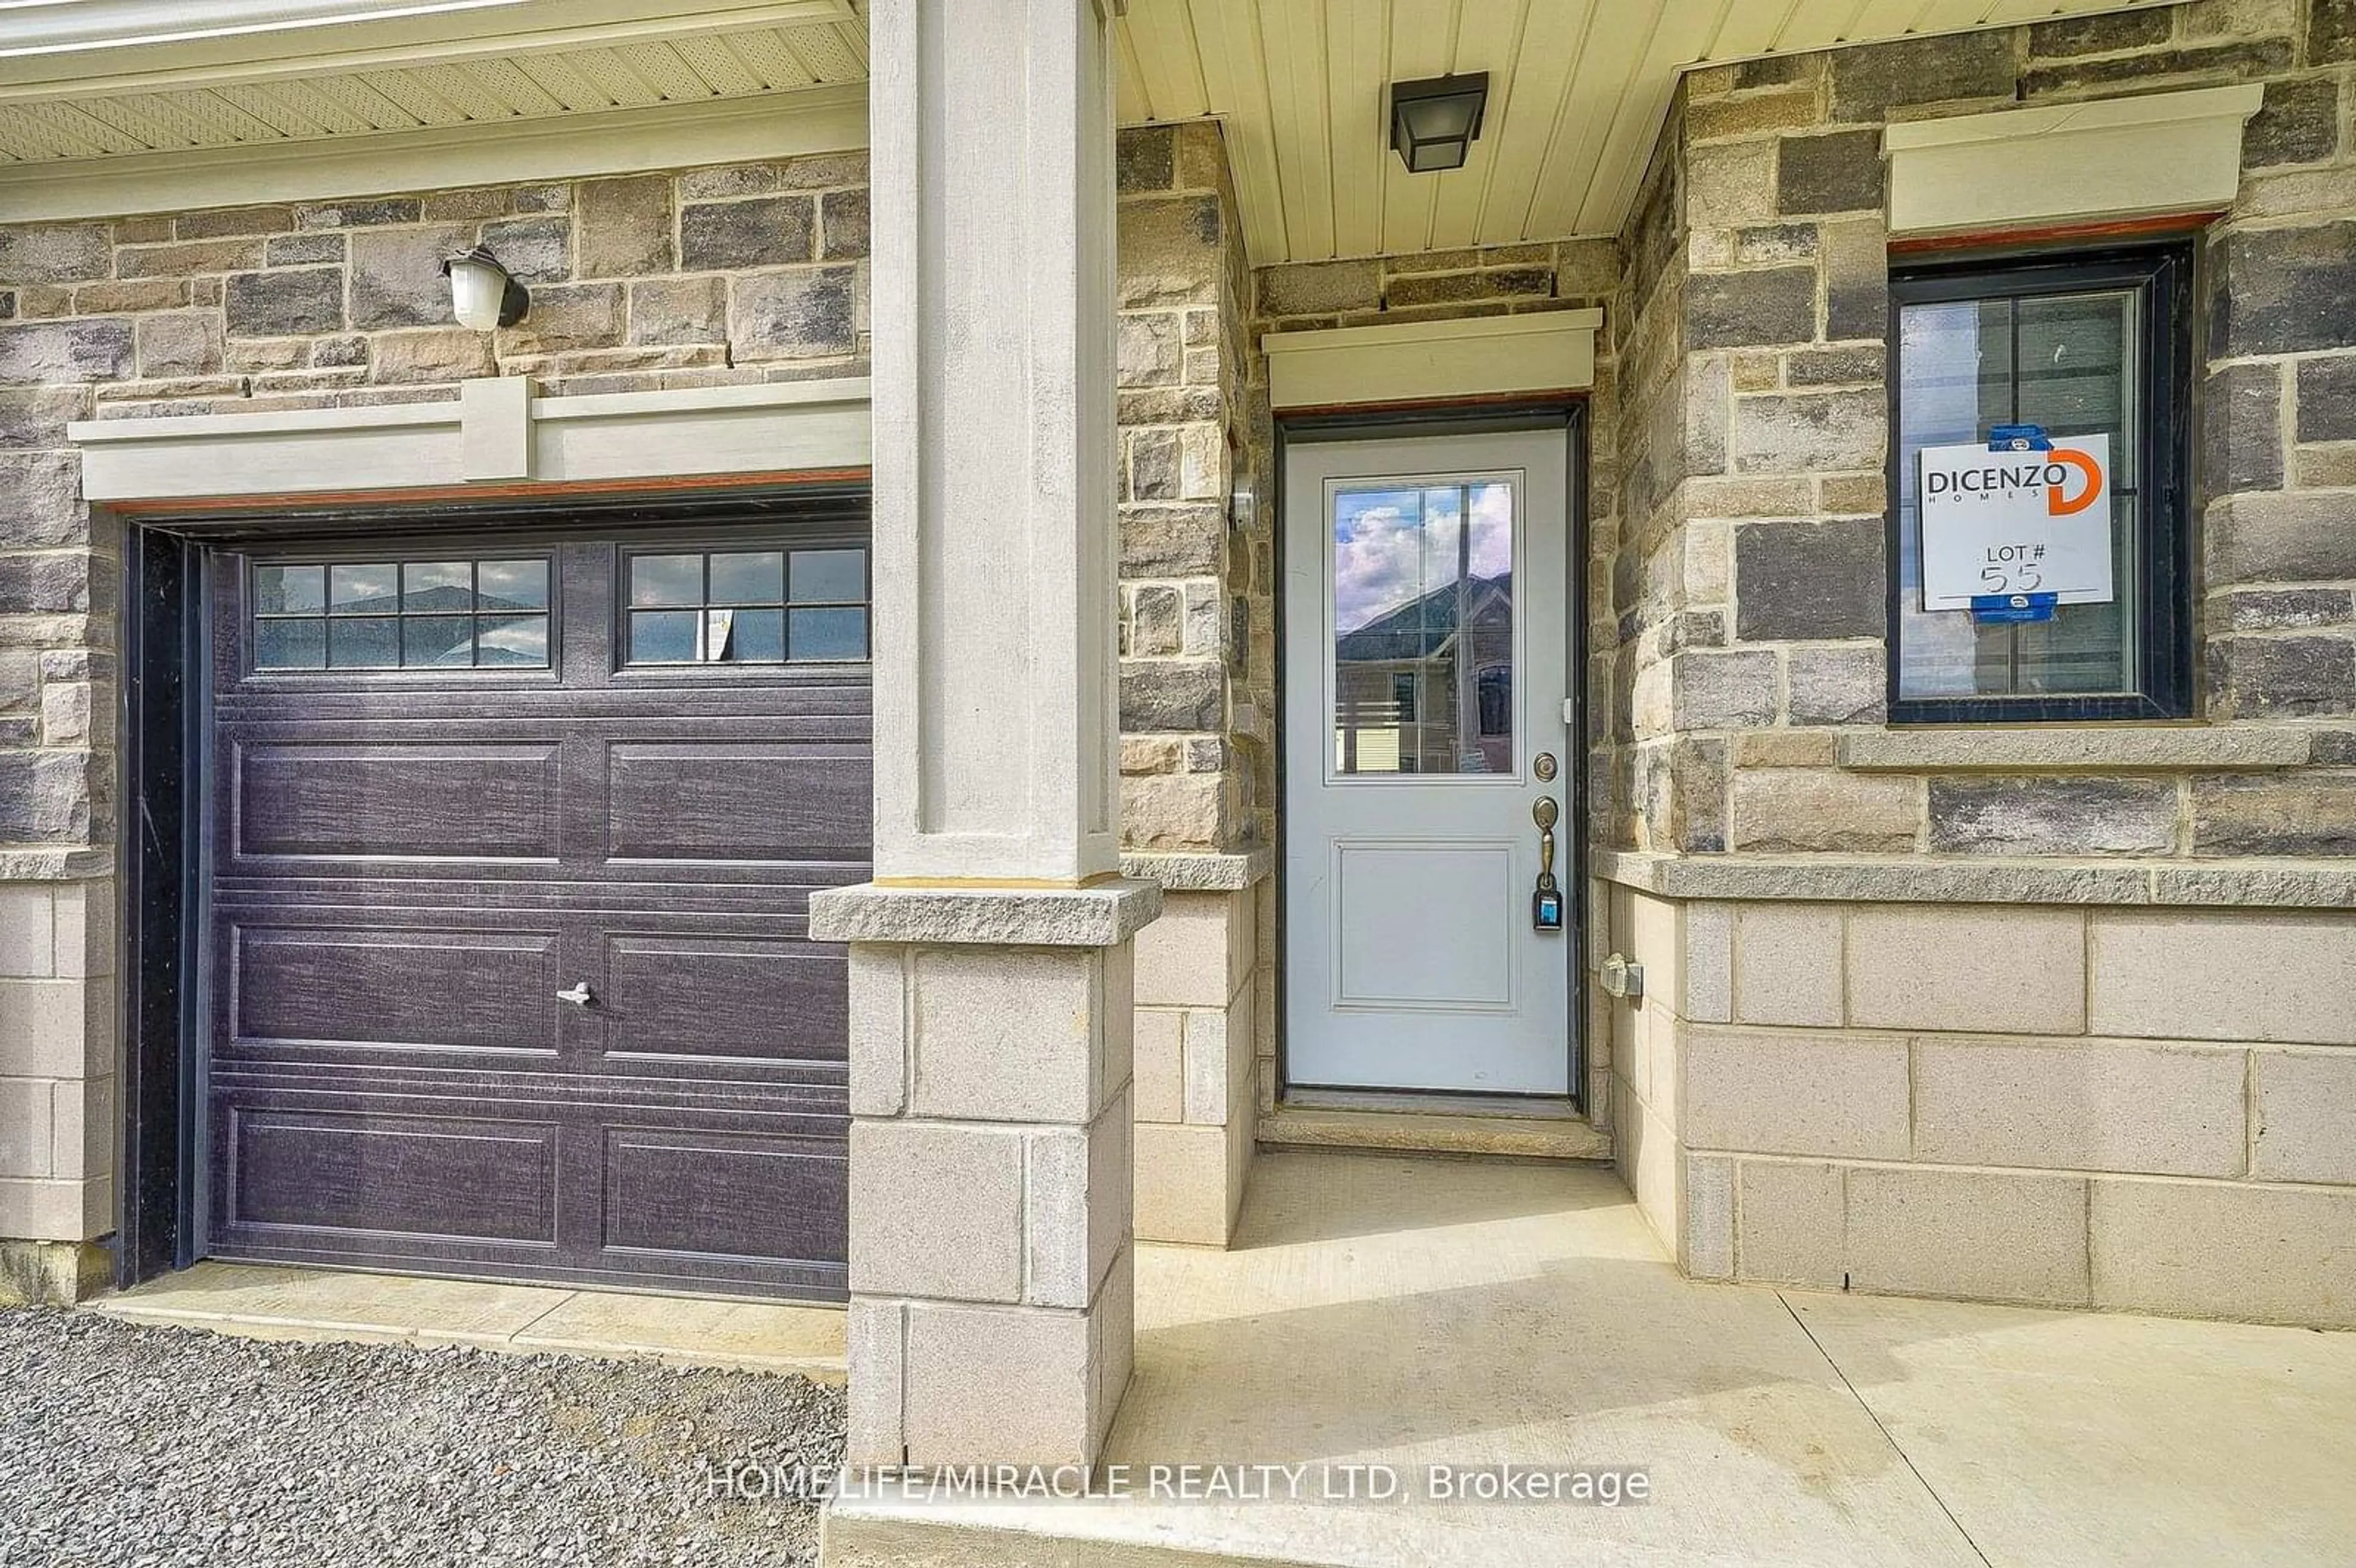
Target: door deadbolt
column 1544, row 767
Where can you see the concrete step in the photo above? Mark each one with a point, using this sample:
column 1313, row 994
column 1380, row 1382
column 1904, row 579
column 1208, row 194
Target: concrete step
column 1416, row 1132
column 905, row 1537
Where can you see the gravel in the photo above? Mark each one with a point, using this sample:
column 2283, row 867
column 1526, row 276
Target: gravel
column 127, row 1444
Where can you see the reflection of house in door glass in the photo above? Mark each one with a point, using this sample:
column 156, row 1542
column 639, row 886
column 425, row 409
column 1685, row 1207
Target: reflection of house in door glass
column 1414, row 691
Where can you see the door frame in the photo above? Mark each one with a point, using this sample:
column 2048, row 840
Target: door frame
column 1475, row 416
column 166, row 767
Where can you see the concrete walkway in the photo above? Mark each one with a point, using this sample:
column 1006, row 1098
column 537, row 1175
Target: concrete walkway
column 1412, row 1312
column 267, row 1302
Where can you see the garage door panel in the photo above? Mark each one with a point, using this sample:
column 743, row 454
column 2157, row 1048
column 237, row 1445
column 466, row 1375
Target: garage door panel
column 714, row 996
column 377, row 798
column 398, row 990
column 691, row 1193
column 450, row 1177
column 737, row 801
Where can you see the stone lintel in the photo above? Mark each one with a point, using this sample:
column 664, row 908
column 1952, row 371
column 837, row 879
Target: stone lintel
column 2048, row 750
column 1102, row 914
column 1205, row 871
column 63, row 865
column 2239, row 883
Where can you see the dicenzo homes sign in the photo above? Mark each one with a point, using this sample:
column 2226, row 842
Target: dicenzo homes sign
column 2018, row 522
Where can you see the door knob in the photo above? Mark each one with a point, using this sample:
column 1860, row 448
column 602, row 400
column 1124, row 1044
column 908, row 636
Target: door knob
column 578, row 994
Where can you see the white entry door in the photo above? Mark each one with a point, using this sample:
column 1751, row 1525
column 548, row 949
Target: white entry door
column 1426, row 661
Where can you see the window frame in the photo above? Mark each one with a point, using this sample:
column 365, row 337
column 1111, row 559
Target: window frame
column 2164, row 276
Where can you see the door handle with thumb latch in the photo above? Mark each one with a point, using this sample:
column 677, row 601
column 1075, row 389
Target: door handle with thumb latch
column 1545, row 903
column 578, row 994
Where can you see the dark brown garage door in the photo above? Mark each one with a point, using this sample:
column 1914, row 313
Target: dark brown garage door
column 512, row 839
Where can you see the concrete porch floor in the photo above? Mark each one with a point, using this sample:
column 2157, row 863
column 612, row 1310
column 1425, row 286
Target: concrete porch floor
column 1406, row 1311
column 269, row 1302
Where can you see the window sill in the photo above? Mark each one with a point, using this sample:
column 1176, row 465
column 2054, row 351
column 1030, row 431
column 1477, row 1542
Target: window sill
column 2047, row 749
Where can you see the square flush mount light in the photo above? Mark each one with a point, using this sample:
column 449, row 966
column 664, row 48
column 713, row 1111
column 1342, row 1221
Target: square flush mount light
column 1435, row 123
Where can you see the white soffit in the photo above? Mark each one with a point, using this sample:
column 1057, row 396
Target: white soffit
column 1431, row 361
column 2122, row 157
column 1577, row 90
column 255, row 77
column 497, row 431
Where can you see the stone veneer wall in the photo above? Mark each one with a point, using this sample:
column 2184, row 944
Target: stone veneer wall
column 2057, row 1014
column 747, row 273
column 1197, row 674
column 1485, row 280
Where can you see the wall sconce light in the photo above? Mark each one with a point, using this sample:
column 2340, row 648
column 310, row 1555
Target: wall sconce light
column 482, row 295
column 1434, row 123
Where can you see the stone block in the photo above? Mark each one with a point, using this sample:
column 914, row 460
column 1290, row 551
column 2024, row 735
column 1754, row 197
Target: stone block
column 1184, row 1191
column 40, row 499
column 54, row 252
column 1172, row 251
column 534, row 250
column 1787, row 964
column 187, row 344
column 25, row 1127
column 37, row 417
column 83, row 1129
column 54, row 1029
column 2303, row 1103
column 1789, row 1224
column 1705, row 1245
column 936, row 1211
column 1145, row 158
column 44, row 796
column 1870, row 80
column 1163, row 696
column 2280, row 538
column 299, row 250
column 1985, row 1235
column 2288, row 609
column 803, row 313
column 1733, row 310
column 53, row 1274
column 2098, row 34
column 567, row 317
column 1845, row 683
column 623, row 227
column 2094, row 1104
column 878, row 1004
column 763, row 231
column 1730, row 184
column 1806, row 1092
column 2326, row 399
column 1857, row 278
column 1005, row 1036
column 1965, row 969
column 678, row 310
column 843, row 225
column 1172, row 811
column 1804, row 809
column 1198, row 953
column 1838, row 172
column 1160, row 1090
column 2299, row 123
column 2235, row 1249
column 1724, row 690
column 1784, row 749
column 2277, row 975
column 1801, row 581
column 1807, row 432
column 2242, row 420
column 1315, row 288
column 875, row 1334
column 1076, row 1206
column 41, row 353
column 2052, row 817
column 28, row 932
column 1147, row 349
column 433, row 354
column 2285, row 290
column 999, row 1385
column 360, row 214
column 2254, row 678
column 2281, row 814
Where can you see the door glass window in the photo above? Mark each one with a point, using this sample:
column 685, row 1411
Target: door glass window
column 775, row 606
column 400, row 614
column 1423, row 627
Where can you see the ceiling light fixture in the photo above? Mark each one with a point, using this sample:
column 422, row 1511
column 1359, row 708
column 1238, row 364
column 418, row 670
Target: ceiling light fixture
column 1434, row 123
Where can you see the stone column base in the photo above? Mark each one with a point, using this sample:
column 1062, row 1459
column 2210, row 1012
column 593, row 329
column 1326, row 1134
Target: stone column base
column 990, row 1167
column 53, row 1274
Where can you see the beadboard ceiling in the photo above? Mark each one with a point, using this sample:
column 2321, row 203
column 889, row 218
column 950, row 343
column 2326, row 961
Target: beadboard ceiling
column 93, row 79
column 1577, row 90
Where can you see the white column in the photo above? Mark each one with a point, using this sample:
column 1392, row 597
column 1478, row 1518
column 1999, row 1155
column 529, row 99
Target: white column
column 990, row 992
column 991, row 130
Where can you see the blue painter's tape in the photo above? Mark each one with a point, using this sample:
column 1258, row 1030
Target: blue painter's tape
column 2013, row 609
column 2019, row 438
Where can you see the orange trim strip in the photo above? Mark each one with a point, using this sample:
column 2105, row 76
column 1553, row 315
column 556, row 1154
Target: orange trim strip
column 2114, row 229
column 525, row 491
column 1437, row 405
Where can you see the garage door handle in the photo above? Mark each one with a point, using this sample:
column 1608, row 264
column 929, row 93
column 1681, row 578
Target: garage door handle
column 579, row 996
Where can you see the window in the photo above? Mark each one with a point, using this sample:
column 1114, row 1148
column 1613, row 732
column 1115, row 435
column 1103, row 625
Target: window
column 400, row 614
column 2093, row 350
column 775, row 606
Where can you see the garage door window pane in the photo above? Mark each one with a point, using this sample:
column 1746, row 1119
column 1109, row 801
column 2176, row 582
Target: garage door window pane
column 830, row 576
column 362, row 590
column 511, row 585
column 364, row 642
column 829, row 634
column 290, row 644
column 752, row 578
column 437, row 640
column 663, row 636
column 437, row 586
column 290, row 590
column 667, row 580
column 745, row 636
column 512, row 641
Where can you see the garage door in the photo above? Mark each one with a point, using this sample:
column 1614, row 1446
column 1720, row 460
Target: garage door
column 510, row 848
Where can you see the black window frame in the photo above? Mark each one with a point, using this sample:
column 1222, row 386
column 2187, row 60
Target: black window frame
column 2164, row 274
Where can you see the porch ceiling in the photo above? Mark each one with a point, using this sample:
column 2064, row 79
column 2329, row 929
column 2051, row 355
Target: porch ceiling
column 1577, row 92
column 94, row 78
